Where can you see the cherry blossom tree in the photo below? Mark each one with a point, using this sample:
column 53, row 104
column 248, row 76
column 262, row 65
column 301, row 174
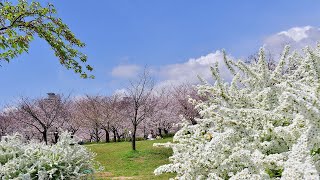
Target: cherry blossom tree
column 164, row 114
column 181, row 94
column 112, row 119
column 42, row 115
column 5, row 124
column 91, row 113
column 139, row 102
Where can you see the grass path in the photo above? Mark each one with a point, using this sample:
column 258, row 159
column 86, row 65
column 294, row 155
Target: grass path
column 120, row 162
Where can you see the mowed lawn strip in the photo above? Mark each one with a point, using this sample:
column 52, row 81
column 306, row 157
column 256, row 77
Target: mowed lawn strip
column 121, row 162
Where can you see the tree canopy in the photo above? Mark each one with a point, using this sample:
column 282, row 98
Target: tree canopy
column 21, row 22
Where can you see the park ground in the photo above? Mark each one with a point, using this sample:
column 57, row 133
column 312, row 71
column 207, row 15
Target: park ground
column 120, row 162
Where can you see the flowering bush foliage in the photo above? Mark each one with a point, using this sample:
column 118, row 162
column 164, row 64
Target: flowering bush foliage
column 31, row 160
column 265, row 124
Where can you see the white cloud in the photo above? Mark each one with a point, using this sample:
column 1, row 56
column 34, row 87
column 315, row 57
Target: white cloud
column 296, row 33
column 172, row 74
column 296, row 37
column 188, row 71
column 125, row 71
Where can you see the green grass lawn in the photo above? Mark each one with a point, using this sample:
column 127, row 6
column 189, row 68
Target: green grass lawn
column 120, row 162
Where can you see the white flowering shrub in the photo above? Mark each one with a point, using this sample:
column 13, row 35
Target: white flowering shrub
column 265, row 124
column 32, row 160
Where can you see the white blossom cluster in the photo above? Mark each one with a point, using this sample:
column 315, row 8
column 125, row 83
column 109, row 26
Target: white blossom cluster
column 32, row 160
column 265, row 124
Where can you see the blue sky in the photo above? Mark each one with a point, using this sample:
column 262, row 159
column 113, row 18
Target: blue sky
column 161, row 34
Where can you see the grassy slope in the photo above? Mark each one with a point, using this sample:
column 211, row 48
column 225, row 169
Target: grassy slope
column 121, row 162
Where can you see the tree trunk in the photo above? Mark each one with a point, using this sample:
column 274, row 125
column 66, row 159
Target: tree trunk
column 56, row 137
column 91, row 136
column 118, row 136
column 107, row 136
column 166, row 132
column 114, row 136
column 96, row 134
column 134, row 137
column 160, row 132
column 144, row 133
column 44, row 135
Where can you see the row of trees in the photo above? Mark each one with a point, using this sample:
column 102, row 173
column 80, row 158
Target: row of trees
column 140, row 111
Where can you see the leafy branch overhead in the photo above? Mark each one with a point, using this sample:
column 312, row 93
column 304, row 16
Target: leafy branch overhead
column 20, row 22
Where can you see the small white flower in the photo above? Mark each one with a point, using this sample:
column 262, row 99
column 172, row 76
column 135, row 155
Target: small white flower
column 265, row 125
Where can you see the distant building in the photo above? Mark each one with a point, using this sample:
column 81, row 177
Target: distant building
column 51, row 95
